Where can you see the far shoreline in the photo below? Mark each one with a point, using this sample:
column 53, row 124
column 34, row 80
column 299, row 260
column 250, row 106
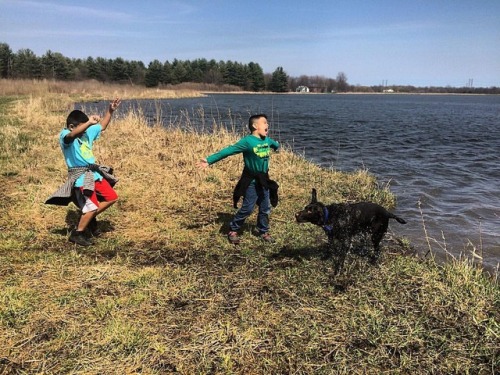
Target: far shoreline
column 341, row 93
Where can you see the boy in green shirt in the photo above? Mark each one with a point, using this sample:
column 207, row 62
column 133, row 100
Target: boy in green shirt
column 254, row 185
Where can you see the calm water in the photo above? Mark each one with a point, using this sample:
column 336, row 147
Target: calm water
column 438, row 154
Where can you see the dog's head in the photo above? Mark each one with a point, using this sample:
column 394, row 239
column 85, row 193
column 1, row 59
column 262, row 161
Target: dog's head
column 313, row 213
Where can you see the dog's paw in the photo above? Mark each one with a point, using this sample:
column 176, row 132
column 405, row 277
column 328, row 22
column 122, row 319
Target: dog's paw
column 326, row 254
column 374, row 260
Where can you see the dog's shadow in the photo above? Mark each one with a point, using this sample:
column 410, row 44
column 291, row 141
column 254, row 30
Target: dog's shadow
column 300, row 253
column 322, row 251
column 289, row 256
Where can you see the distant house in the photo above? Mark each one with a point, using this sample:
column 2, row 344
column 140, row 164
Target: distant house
column 388, row 91
column 302, row 89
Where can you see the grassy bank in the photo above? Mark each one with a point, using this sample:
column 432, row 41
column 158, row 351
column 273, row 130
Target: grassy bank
column 163, row 292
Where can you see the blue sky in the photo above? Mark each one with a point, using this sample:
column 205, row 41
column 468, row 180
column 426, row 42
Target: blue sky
column 407, row 42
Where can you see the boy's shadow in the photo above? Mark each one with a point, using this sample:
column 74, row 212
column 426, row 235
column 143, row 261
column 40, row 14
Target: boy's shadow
column 224, row 219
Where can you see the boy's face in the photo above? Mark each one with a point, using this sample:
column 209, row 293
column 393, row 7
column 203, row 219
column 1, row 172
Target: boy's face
column 71, row 127
column 261, row 127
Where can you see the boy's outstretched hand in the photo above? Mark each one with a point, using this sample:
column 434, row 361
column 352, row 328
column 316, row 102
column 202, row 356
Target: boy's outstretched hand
column 203, row 163
column 114, row 104
column 107, row 117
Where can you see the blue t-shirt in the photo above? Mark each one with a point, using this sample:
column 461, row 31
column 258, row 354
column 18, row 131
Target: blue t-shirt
column 79, row 152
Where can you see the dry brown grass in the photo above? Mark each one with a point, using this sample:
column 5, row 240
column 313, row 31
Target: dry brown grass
column 92, row 90
column 163, row 292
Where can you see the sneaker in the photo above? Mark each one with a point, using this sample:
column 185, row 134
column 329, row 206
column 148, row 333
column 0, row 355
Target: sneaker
column 79, row 238
column 266, row 237
column 233, row 238
column 93, row 228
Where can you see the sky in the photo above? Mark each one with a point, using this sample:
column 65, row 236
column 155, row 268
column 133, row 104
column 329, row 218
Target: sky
column 373, row 42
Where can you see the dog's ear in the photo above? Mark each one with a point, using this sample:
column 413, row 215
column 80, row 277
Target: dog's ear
column 314, row 197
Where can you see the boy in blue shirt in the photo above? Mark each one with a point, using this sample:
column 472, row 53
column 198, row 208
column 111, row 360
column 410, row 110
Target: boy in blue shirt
column 89, row 185
column 254, row 184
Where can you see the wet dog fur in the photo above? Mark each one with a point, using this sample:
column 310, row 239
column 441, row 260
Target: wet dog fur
column 343, row 221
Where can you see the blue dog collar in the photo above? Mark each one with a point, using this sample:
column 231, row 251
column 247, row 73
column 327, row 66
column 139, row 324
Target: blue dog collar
column 327, row 228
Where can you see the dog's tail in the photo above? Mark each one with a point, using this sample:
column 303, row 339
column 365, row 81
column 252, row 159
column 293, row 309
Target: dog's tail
column 398, row 219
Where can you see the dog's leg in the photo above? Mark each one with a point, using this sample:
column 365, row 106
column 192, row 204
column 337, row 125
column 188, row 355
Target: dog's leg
column 378, row 228
column 340, row 254
column 376, row 238
column 329, row 249
column 339, row 263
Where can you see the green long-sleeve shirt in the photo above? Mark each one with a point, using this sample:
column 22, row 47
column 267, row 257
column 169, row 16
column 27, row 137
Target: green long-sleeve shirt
column 256, row 152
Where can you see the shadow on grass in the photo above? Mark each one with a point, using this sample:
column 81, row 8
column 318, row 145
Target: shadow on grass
column 324, row 259
column 324, row 252
column 105, row 226
column 73, row 217
column 300, row 253
column 223, row 218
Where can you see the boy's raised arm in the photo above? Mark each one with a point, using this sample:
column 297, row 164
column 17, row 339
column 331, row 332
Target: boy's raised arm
column 107, row 117
column 79, row 129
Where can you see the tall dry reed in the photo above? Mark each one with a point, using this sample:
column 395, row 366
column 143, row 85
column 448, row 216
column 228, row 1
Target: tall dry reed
column 92, row 90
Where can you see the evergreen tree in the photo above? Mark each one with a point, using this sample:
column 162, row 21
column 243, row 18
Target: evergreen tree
column 5, row 60
column 103, row 69
column 136, row 72
column 55, row 66
column 78, row 69
column 213, row 73
column 92, row 69
column 279, row 81
column 26, row 64
column 167, row 75
column 179, row 72
column 119, row 70
column 154, row 74
column 199, row 68
column 235, row 74
column 256, row 77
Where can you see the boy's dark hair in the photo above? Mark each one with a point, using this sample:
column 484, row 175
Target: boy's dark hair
column 76, row 117
column 253, row 119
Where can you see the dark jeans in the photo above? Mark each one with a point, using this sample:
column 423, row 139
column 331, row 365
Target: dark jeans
column 253, row 195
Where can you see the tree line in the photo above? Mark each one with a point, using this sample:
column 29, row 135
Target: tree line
column 25, row 64
column 249, row 77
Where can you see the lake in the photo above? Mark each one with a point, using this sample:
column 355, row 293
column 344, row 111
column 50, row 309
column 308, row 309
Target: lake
column 437, row 153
